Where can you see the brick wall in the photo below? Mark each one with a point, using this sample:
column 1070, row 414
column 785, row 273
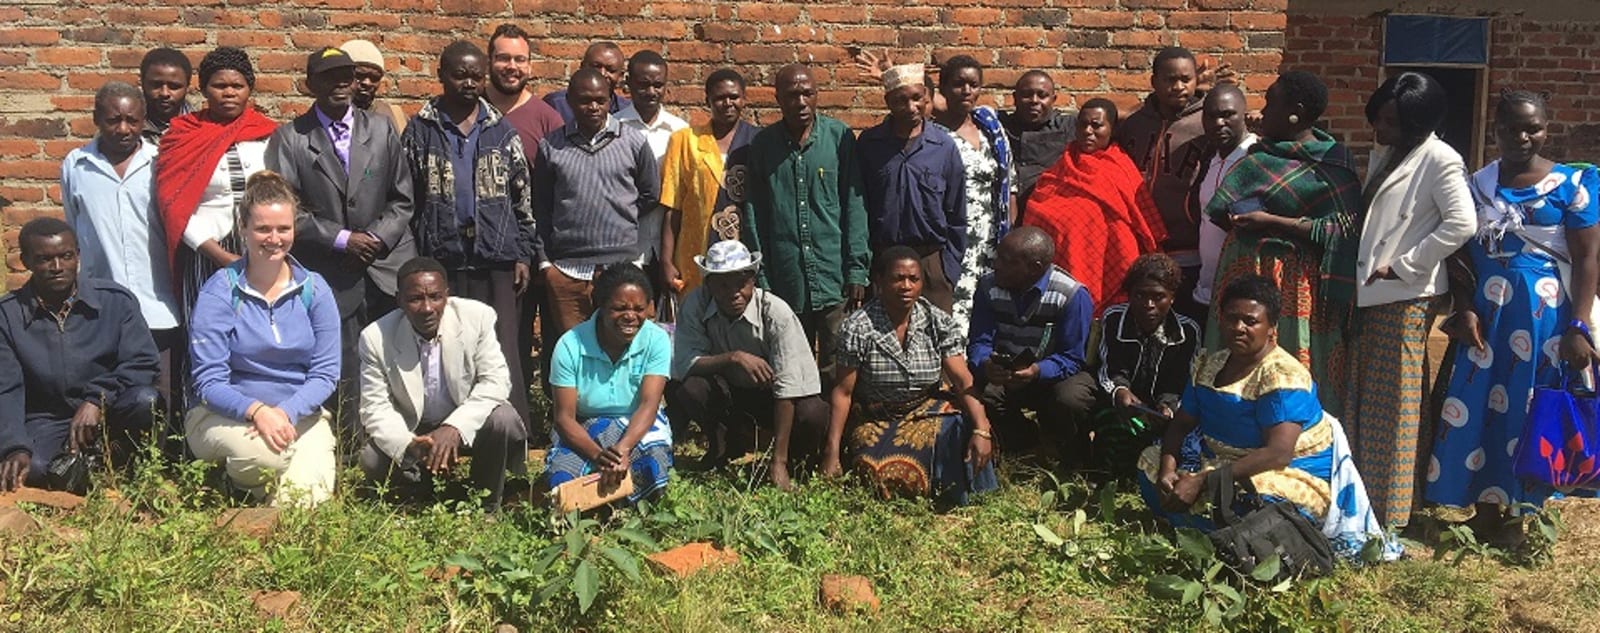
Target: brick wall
column 55, row 53
column 1539, row 46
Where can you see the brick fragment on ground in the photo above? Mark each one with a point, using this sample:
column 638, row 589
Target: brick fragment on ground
column 14, row 523
column 846, row 594
column 39, row 496
column 687, row 560
column 504, row 628
column 256, row 523
column 274, row 605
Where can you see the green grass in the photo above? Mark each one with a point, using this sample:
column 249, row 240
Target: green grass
column 364, row 565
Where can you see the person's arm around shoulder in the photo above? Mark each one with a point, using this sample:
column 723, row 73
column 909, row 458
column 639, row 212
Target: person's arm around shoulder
column 491, row 379
column 1451, row 194
column 389, row 430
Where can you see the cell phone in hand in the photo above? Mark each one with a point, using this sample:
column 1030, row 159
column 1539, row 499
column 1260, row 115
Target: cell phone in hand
column 1145, row 411
column 1251, row 204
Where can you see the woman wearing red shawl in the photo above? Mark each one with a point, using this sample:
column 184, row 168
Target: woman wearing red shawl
column 1094, row 204
column 201, row 169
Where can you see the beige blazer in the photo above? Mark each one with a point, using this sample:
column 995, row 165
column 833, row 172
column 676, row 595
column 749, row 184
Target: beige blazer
column 1422, row 212
column 475, row 374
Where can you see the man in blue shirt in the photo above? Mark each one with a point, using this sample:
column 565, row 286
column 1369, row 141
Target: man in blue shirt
column 915, row 186
column 1030, row 324
column 106, row 196
column 76, row 361
column 607, row 58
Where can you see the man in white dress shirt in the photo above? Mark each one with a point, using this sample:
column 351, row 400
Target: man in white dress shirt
column 647, row 84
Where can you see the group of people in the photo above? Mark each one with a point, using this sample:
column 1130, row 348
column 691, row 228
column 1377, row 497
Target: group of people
column 953, row 285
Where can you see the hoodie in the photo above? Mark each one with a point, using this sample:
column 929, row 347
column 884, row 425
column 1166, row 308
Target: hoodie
column 1168, row 152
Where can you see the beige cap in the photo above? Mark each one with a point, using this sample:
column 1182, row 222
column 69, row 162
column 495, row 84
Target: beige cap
column 363, row 52
column 901, row 76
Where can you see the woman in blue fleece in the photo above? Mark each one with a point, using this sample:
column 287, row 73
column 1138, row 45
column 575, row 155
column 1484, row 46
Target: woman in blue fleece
column 265, row 347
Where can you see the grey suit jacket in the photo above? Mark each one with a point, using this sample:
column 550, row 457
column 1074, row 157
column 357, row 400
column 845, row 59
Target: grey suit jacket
column 475, row 374
column 374, row 197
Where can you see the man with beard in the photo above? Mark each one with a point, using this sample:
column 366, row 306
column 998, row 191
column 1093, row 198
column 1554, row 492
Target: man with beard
column 647, row 82
column 354, row 222
column 1039, row 133
column 474, row 209
column 509, row 70
column 76, row 362
column 605, row 57
column 106, row 194
column 369, row 76
column 1166, row 139
column 164, row 76
column 533, row 119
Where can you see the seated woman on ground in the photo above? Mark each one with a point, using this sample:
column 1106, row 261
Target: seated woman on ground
column 1257, row 411
column 606, row 377
column 916, row 426
column 265, row 348
column 1146, row 351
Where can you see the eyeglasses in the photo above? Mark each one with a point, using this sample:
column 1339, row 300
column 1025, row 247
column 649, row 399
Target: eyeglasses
column 507, row 59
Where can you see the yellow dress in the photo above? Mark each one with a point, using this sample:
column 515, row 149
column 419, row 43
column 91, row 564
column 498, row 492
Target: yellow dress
column 693, row 183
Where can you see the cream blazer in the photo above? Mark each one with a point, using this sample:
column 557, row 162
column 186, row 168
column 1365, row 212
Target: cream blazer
column 1421, row 214
column 475, row 374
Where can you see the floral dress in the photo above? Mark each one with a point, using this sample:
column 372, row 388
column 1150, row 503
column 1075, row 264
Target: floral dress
column 990, row 174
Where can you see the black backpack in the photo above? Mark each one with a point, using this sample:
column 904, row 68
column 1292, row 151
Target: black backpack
column 1265, row 529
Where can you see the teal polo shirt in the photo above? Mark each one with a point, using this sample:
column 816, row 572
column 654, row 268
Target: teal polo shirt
column 607, row 389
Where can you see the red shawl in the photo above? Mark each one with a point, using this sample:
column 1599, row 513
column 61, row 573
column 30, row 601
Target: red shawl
column 1101, row 216
column 190, row 151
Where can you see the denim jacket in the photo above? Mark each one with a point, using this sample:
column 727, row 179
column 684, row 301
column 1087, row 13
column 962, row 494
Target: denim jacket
column 502, row 231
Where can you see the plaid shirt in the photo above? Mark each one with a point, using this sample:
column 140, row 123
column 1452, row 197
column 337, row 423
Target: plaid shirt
column 888, row 371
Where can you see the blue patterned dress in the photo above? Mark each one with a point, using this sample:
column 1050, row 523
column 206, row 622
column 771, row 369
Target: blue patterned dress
column 1522, row 304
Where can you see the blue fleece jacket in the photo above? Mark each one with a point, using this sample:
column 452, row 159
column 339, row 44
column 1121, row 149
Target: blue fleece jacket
column 284, row 354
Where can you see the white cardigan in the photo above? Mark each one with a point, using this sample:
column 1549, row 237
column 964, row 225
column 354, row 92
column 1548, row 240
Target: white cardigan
column 1421, row 214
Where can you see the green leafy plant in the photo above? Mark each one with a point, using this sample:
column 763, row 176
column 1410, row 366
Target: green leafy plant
column 572, row 564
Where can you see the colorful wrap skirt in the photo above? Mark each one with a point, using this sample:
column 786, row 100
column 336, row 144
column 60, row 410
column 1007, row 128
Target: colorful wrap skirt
column 916, row 449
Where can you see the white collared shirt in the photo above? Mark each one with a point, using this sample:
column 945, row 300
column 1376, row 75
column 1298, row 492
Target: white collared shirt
column 656, row 133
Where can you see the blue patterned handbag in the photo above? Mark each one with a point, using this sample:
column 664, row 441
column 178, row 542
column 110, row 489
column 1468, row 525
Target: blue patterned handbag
column 1560, row 442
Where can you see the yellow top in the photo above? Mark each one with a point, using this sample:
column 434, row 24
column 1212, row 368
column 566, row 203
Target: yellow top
column 691, row 177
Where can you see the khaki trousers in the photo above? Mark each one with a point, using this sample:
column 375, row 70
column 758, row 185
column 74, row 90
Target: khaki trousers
column 302, row 475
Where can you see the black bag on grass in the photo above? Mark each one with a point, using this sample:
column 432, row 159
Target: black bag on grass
column 1264, row 530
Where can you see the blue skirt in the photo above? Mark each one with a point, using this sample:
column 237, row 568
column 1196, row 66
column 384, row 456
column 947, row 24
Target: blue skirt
column 652, row 458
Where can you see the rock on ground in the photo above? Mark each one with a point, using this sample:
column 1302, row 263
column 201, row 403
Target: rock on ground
column 687, row 560
column 845, row 594
column 256, row 523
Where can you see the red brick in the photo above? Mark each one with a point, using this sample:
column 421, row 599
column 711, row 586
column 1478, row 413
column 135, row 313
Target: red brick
column 1149, row 40
column 17, row 148
column 1102, row 19
column 312, row 40
column 217, row 17
column 921, row 37
column 1013, row 37
column 775, row 13
column 35, row 169
column 1211, row 40
column 842, row 14
column 362, row 18
column 28, row 80
column 762, row 53
column 67, row 56
column 13, row 59
column 250, row 39
column 584, row 30
column 865, row 35
column 1257, row 21
column 1224, row 4
column 683, row 10
column 58, row 150
column 22, row 194
column 473, row 7
column 1153, row 4
column 1090, row 58
column 905, row 15
column 174, row 36
column 614, row 8
column 1196, row 20
column 975, row 16
column 793, row 33
column 29, row 37
column 713, row 32
column 1029, row 58
column 696, row 52
column 73, row 103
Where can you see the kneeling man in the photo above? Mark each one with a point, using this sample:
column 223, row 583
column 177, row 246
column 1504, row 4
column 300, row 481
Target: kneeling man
column 434, row 384
column 75, row 354
column 741, row 360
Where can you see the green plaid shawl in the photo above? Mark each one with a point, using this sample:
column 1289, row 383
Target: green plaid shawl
column 1317, row 181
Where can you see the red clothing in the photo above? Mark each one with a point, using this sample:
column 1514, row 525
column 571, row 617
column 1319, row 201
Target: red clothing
column 190, row 151
column 1101, row 216
column 532, row 120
